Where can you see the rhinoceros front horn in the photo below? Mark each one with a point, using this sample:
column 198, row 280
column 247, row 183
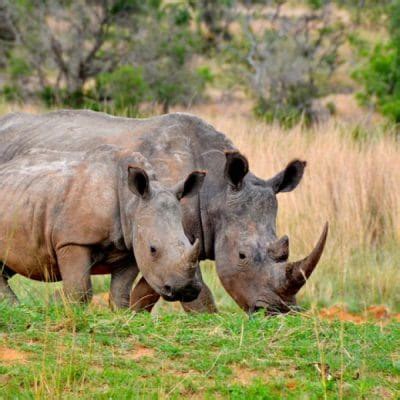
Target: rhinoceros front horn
column 298, row 272
column 193, row 254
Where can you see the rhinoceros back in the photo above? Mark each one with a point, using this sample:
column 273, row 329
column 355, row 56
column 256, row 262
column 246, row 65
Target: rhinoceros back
column 173, row 142
column 51, row 198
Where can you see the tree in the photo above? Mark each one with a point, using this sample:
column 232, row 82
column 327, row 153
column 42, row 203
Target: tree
column 166, row 50
column 7, row 37
column 289, row 62
column 120, row 52
column 66, row 43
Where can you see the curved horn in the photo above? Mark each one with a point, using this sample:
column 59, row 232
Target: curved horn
column 298, row 272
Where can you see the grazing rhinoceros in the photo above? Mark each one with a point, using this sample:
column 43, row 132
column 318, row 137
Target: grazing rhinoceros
column 234, row 216
column 66, row 216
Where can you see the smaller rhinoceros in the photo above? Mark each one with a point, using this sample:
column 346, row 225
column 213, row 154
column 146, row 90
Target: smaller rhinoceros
column 65, row 216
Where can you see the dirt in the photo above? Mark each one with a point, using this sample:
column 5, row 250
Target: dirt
column 100, row 300
column 340, row 313
column 377, row 313
column 11, row 356
column 244, row 375
column 140, row 352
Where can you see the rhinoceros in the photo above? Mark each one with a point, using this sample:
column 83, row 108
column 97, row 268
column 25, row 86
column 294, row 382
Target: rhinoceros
column 234, row 215
column 67, row 215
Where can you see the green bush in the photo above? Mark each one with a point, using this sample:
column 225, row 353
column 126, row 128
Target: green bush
column 380, row 74
column 18, row 68
column 12, row 93
column 289, row 110
column 123, row 88
column 17, row 72
column 380, row 79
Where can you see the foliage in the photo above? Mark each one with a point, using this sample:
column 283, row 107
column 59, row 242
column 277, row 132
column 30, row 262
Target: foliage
column 125, row 87
column 288, row 64
column 380, row 74
column 167, row 49
column 75, row 53
column 68, row 45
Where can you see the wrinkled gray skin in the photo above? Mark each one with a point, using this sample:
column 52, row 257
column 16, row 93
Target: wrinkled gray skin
column 70, row 215
column 234, row 216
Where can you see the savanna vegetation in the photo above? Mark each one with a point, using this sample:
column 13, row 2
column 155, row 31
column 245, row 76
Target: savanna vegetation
column 317, row 80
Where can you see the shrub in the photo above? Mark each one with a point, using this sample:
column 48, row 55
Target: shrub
column 123, row 88
column 289, row 63
column 380, row 74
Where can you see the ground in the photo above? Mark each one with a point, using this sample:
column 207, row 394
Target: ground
column 48, row 350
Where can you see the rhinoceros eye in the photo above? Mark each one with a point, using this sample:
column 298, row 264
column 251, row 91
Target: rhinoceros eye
column 242, row 256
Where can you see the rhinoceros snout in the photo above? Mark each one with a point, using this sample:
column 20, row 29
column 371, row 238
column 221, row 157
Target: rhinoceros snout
column 186, row 293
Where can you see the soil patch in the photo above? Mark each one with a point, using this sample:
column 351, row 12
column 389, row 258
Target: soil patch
column 377, row 313
column 11, row 356
column 100, row 300
column 245, row 376
column 140, row 352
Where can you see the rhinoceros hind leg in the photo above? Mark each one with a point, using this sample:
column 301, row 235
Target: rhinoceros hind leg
column 74, row 262
column 121, row 285
column 6, row 292
column 143, row 296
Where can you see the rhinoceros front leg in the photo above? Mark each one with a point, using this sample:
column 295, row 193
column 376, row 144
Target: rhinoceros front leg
column 143, row 296
column 74, row 262
column 205, row 301
column 121, row 285
column 5, row 291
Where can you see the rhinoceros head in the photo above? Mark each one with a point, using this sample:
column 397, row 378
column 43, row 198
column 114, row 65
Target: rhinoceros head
column 163, row 253
column 252, row 263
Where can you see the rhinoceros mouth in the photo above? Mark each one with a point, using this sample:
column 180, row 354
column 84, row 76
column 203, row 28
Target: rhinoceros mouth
column 186, row 294
column 272, row 309
column 185, row 298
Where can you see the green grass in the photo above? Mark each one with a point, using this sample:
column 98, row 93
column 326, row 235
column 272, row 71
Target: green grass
column 91, row 352
column 87, row 353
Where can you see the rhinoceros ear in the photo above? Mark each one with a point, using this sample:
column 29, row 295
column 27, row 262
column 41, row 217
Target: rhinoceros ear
column 191, row 185
column 138, row 181
column 236, row 168
column 289, row 178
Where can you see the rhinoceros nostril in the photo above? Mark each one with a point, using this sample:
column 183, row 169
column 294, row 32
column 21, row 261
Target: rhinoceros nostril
column 153, row 250
column 167, row 290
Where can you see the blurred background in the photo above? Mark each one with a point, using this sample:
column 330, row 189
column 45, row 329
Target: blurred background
column 312, row 79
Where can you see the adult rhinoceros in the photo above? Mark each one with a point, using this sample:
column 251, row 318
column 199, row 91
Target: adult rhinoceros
column 234, row 216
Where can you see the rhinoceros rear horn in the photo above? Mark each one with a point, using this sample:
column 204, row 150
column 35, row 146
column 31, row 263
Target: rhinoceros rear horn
column 298, row 272
column 279, row 250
